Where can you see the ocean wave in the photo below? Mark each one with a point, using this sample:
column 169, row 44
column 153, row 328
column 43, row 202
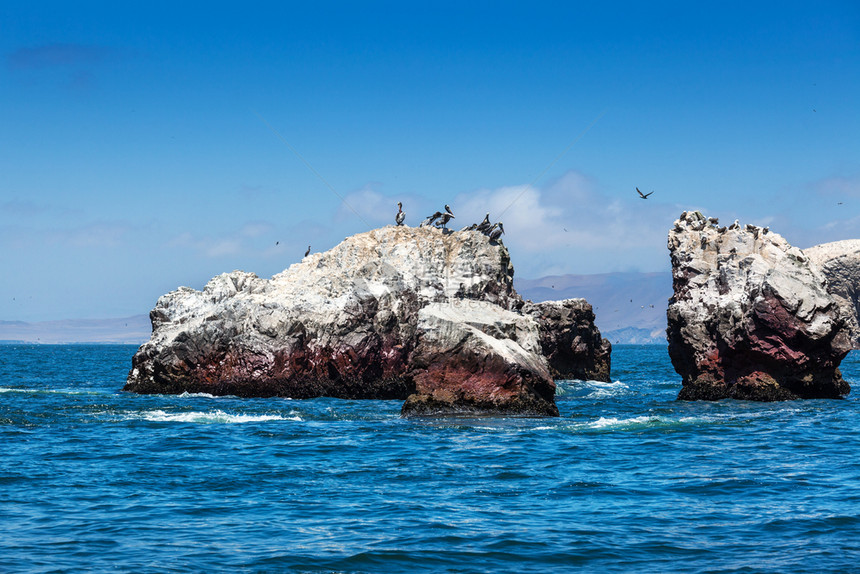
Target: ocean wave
column 590, row 389
column 187, row 395
column 211, row 417
column 48, row 391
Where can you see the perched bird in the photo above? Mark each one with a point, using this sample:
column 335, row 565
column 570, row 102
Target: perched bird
column 444, row 219
column 643, row 195
column 308, row 252
column 497, row 232
column 431, row 219
column 448, row 209
column 400, row 217
column 484, row 225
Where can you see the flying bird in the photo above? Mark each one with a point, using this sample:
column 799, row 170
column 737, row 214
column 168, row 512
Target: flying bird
column 643, row 195
column 400, row 217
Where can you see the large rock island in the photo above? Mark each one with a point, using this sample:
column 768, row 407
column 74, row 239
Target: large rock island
column 751, row 317
column 420, row 314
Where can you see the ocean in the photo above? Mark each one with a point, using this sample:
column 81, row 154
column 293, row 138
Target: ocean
column 628, row 479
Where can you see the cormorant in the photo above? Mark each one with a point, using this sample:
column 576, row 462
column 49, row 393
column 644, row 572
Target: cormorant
column 308, row 252
column 400, row 217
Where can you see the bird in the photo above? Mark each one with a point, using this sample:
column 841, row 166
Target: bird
column 448, row 209
column 400, row 217
column 444, row 219
column 277, row 242
column 484, row 225
column 308, row 252
column 497, row 233
column 431, row 219
column 643, row 195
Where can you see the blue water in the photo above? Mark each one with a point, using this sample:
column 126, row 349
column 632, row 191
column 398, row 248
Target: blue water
column 627, row 479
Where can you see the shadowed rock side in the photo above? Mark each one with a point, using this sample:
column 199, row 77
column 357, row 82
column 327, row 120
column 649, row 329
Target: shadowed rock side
column 570, row 340
column 395, row 313
column 750, row 317
column 840, row 263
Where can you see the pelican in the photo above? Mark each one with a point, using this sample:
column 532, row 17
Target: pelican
column 445, row 218
column 431, row 219
column 448, row 209
column 497, row 233
column 643, row 195
column 400, row 217
column 484, row 225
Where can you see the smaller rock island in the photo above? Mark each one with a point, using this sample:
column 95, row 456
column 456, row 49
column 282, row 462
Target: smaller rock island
column 420, row 314
column 751, row 317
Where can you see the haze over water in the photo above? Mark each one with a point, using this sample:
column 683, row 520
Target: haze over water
column 627, row 479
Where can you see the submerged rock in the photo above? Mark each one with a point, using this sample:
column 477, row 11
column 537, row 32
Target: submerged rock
column 751, row 317
column 840, row 263
column 395, row 313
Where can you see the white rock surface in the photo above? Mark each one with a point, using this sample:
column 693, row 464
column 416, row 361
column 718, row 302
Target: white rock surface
column 748, row 306
column 840, row 263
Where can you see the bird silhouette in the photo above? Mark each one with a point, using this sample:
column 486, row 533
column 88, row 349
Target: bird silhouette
column 308, row 252
column 400, row 217
column 643, row 195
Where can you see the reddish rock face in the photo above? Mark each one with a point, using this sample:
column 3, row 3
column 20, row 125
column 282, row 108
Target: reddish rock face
column 395, row 313
column 750, row 317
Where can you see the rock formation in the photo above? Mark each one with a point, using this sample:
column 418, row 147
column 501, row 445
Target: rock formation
column 840, row 263
column 570, row 341
column 750, row 317
column 422, row 314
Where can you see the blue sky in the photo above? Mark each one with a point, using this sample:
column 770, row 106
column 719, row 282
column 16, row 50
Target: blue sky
column 138, row 149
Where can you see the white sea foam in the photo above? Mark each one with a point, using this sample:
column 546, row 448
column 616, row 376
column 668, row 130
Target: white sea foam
column 604, row 422
column 601, row 390
column 210, row 417
column 187, row 395
column 591, row 389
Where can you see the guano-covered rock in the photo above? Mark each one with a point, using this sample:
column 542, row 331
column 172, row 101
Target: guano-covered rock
column 750, row 317
column 418, row 314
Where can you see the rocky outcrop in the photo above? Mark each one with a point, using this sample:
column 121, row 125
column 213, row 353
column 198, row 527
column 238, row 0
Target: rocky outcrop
column 570, row 341
column 422, row 314
column 840, row 263
column 750, row 317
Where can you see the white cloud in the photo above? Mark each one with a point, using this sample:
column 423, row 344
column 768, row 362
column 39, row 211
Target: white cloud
column 569, row 227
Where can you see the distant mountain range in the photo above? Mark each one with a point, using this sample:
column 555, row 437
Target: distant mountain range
column 131, row 330
column 629, row 308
